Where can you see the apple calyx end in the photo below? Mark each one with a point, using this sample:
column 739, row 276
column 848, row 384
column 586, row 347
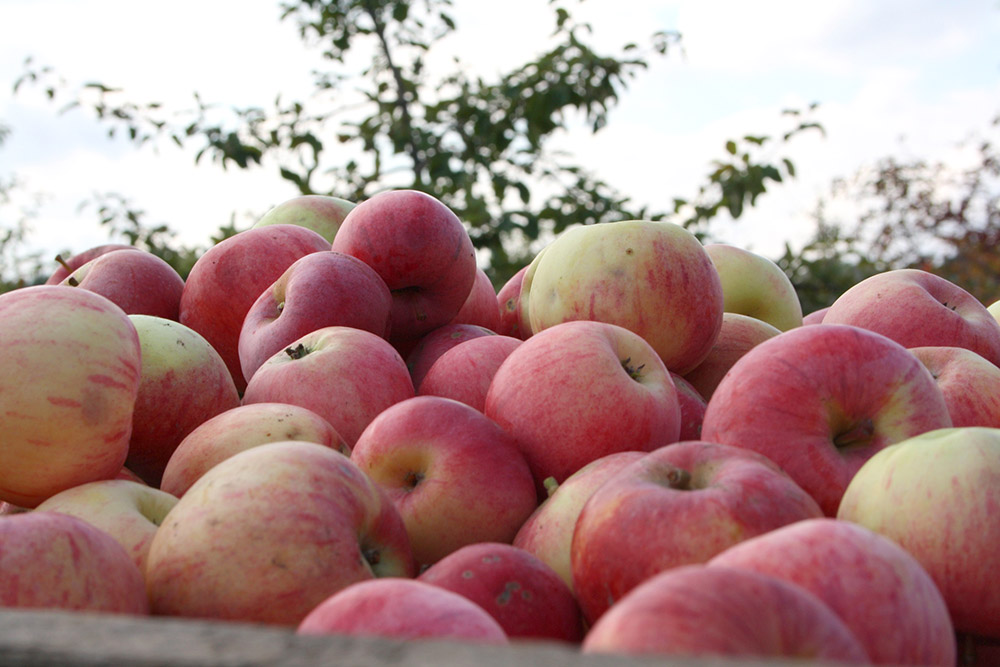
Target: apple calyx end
column 297, row 352
column 634, row 372
column 412, row 480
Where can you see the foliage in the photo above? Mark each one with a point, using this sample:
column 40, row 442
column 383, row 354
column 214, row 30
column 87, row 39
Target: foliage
column 481, row 146
column 909, row 213
column 17, row 267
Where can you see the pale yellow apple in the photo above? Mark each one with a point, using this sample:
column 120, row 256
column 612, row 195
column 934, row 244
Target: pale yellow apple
column 653, row 278
column 754, row 285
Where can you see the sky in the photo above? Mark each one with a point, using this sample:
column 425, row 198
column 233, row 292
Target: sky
column 892, row 77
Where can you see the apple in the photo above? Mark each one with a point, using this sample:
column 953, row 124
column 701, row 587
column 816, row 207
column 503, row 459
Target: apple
column 269, row 533
column 7, row 508
column 580, row 390
column 240, row 428
column 508, row 298
column 548, row 532
column 970, row 384
column 754, row 285
column 700, row 611
column 738, row 335
column 481, row 307
column 652, row 278
column 916, row 308
column 692, row 405
column 228, row 277
column 71, row 373
column 936, row 496
column 678, row 505
column 420, row 249
column 130, row 512
column 819, row 400
column 343, row 374
column 526, row 597
column 318, row 290
column 464, row 372
column 50, row 560
column 68, row 266
column 404, row 609
column 816, row 316
column 876, row 587
column 322, row 214
column 455, row 476
column 138, row 282
column 435, row 343
column 183, row 382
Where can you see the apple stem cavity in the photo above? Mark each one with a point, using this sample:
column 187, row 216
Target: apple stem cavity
column 860, row 433
column 678, row 478
column 634, row 372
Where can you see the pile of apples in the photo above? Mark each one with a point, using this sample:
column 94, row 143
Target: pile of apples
column 637, row 445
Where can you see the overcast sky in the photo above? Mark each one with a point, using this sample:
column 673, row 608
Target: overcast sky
column 904, row 77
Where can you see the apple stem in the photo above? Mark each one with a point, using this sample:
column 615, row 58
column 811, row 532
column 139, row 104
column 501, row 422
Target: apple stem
column 371, row 556
column 678, row 478
column 550, row 485
column 859, row 434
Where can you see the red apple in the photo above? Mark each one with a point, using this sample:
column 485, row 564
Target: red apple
column 970, row 384
column 700, row 611
column 916, row 308
column 226, row 280
column 526, row 597
column 420, row 249
column 816, row 316
column 343, row 374
column 319, row 290
column 876, row 587
column 140, row 283
column 399, row 608
column 738, row 335
column 481, row 307
column 548, row 532
column 464, row 372
column 269, row 533
column 508, row 297
column 57, row 561
column 692, row 406
column 71, row 366
column 183, row 382
column 241, row 428
column 432, row 345
column 820, row 400
column 580, row 390
column 681, row 504
column 455, row 476
column 68, row 266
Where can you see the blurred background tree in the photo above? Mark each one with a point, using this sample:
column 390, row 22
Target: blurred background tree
column 481, row 146
column 484, row 147
column 935, row 215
